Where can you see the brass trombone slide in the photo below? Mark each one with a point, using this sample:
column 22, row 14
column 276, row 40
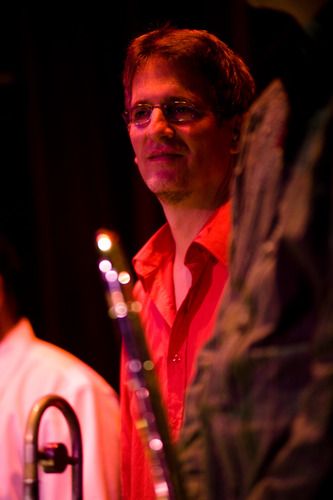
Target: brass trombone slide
column 54, row 456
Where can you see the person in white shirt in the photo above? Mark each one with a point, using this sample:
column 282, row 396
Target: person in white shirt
column 31, row 368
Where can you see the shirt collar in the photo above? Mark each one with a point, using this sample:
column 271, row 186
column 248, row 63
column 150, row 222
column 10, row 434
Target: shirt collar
column 214, row 237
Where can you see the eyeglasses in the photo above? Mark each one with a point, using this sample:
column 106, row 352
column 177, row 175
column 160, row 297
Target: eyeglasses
column 176, row 111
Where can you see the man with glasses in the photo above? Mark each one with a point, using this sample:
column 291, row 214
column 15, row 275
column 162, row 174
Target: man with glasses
column 185, row 95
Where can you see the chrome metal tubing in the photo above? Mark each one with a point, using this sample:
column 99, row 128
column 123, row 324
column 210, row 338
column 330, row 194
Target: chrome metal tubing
column 32, row 455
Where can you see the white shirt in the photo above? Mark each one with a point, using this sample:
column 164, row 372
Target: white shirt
column 31, row 368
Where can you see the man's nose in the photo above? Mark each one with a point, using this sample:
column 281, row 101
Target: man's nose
column 159, row 124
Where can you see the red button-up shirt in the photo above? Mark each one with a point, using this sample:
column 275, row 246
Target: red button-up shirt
column 173, row 337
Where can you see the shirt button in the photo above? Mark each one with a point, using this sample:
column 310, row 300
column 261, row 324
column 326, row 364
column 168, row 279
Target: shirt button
column 176, row 358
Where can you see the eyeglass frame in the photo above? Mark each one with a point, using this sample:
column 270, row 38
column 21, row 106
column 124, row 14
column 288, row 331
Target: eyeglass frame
column 196, row 112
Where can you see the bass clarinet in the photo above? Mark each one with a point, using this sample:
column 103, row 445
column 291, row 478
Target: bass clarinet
column 153, row 425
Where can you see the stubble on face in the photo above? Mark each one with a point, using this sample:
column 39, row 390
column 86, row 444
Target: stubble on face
column 172, row 197
column 170, row 183
column 179, row 164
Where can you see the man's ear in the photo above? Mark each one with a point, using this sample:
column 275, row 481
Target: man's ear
column 135, row 160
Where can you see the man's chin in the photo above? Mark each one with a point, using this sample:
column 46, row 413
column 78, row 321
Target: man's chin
column 171, row 197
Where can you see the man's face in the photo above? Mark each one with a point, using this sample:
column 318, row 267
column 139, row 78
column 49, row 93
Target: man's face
column 185, row 162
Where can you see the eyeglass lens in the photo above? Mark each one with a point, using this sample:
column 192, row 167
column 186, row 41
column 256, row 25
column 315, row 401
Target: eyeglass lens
column 175, row 112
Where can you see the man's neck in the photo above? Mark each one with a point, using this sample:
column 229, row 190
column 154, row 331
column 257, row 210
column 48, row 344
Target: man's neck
column 5, row 329
column 185, row 224
column 6, row 325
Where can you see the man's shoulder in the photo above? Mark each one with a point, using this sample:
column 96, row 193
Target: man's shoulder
column 264, row 131
column 273, row 99
column 65, row 366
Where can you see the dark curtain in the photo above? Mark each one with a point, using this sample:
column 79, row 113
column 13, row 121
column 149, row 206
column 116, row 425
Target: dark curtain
column 67, row 166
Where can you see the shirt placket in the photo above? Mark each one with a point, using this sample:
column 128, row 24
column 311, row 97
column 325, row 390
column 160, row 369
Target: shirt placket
column 177, row 362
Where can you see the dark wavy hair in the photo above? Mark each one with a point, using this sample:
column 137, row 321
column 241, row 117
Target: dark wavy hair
column 232, row 86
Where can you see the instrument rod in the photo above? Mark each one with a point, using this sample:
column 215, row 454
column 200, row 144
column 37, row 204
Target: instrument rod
column 125, row 310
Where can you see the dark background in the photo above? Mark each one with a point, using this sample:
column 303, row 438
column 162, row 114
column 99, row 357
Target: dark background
column 66, row 162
